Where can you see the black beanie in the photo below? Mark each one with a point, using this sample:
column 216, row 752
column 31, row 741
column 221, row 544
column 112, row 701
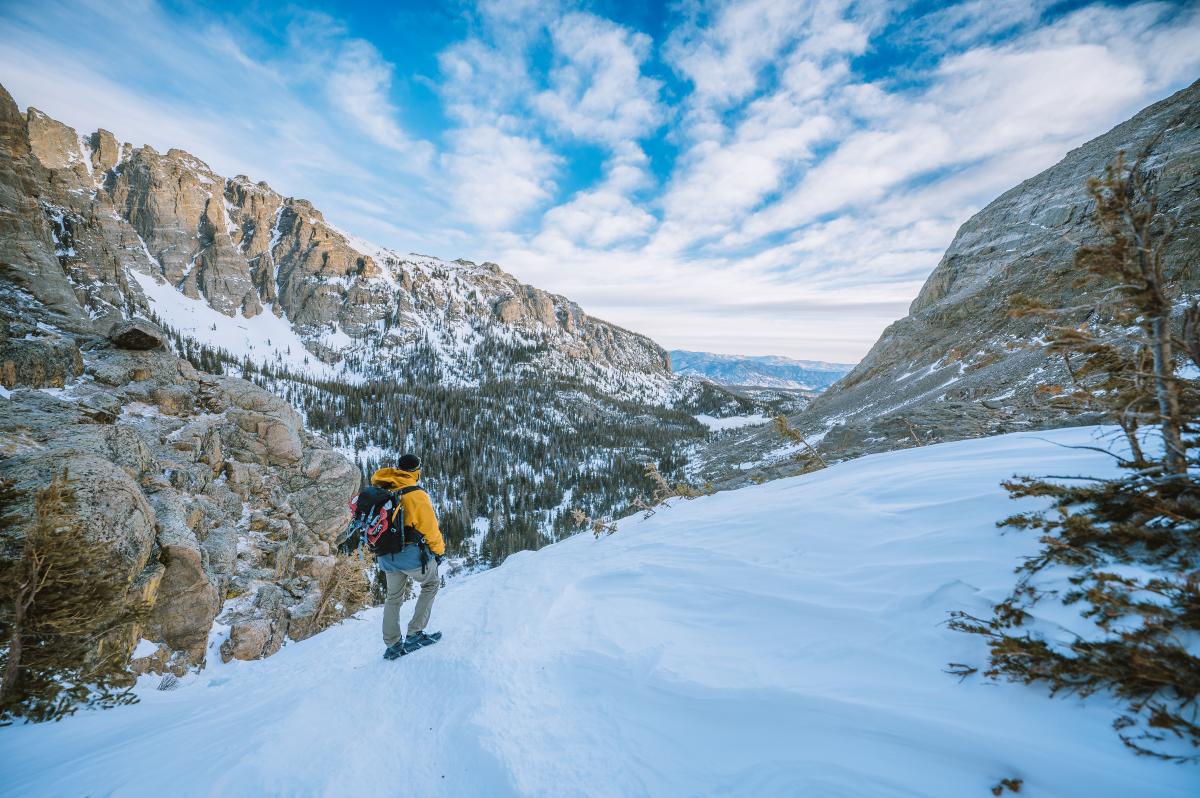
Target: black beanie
column 409, row 462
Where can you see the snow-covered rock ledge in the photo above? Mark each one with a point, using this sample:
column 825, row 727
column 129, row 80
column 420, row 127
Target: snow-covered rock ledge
column 783, row 639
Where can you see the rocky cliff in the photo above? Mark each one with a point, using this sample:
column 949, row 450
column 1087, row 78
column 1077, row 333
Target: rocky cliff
column 205, row 492
column 958, row 365
column 243, row 251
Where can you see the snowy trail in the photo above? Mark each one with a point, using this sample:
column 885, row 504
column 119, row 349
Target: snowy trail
column 784, row 639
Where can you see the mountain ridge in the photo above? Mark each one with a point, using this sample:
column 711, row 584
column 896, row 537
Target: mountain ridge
column 763, row 371
column 245, row 250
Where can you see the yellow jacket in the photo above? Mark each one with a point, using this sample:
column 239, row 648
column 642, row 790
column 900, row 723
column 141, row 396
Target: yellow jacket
column 418, row 509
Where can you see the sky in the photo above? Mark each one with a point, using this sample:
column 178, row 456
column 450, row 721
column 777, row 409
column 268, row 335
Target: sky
column 743, row 177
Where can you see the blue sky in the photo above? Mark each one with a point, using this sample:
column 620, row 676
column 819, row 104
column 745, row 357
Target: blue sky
column 748, row 176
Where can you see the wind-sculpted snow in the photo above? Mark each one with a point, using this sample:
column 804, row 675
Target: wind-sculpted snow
column 784, row 639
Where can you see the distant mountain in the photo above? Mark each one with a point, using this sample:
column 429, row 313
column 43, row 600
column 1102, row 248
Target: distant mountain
column 770, row 371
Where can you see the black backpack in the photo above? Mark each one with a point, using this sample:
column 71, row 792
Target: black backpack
column 378, row 515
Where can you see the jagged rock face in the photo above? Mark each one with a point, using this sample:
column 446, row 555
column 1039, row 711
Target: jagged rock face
column 958, row 365
column 30, row 274
column 177, row 205
column 53, row 143
column 244, row 249
column 106, row 153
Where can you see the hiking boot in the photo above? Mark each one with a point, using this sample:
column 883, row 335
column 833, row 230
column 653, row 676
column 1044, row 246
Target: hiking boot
column 394, row 650
column 417, row 640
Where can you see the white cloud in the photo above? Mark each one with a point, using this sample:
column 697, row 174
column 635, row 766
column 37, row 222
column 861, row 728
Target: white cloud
column 496, row 177
column 518, row 18
column 721, row 184
column 482, row 83
column 597, row 90
column 601, row 218
column 804, row 204
column 358, row 84
column 967, row 23
column 732, row 168
column 1057, row 86
column 604, row 217
column 723, row 59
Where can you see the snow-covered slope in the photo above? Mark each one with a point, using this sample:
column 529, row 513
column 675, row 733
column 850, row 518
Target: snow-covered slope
column 784, row 639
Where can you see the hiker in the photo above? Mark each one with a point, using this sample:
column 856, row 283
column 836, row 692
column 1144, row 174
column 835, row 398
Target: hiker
column 411, row 553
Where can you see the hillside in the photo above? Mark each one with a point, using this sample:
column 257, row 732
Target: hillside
column 770, row 371
column 783, row 639
column 958, row 365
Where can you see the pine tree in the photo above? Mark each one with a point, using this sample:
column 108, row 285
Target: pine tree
column 1132, row 542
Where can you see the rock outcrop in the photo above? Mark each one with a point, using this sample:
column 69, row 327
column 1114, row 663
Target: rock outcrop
column 36, row 358
column 168, row 488
column 203, row 492
column 136, row 334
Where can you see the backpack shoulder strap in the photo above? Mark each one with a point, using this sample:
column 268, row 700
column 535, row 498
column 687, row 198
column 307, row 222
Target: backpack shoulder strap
column 400, row 493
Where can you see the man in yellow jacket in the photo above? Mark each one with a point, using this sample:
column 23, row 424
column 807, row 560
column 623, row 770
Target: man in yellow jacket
column 413, row 562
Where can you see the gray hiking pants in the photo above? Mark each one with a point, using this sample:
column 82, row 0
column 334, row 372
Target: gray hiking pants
column 397, row 586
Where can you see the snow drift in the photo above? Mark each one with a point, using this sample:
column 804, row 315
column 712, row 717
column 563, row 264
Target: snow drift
column 784, row 639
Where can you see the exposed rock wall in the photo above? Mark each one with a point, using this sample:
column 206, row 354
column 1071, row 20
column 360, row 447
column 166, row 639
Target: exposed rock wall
column 245, row 250
column 174, row 470
column 30, row 273
column 958, row 365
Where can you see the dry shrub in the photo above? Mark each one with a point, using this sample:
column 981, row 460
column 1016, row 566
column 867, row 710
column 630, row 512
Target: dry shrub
column 346, row 590
column 599, row 527
column 60, row 609
column 810, row 458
